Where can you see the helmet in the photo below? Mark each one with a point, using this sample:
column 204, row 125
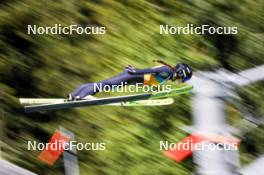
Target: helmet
column 183, row 72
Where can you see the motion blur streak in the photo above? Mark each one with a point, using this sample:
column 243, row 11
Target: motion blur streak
column 52, row 65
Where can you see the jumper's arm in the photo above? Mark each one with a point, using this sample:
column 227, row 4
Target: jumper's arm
column 149, row 70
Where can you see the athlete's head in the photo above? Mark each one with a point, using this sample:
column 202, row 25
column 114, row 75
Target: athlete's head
column 182, row 72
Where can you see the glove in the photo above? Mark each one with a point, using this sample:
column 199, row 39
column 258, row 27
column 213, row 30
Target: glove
column 131, row 69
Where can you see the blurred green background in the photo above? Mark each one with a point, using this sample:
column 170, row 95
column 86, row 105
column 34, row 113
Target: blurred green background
column 53, row 65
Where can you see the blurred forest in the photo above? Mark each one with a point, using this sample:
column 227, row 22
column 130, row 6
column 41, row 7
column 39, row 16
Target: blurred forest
column 51, row 66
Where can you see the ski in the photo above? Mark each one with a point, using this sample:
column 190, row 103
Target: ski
column 154, row 102
column 171, row 93
column 157, row 102
column 109, row 100
column 38, row 101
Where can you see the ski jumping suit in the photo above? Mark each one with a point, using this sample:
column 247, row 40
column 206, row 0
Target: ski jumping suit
column 149, row 76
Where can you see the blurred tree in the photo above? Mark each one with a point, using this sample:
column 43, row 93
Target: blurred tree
column 52, row 65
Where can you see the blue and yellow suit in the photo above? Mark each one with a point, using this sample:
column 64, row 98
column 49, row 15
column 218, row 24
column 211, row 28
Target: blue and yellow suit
column 149, row 76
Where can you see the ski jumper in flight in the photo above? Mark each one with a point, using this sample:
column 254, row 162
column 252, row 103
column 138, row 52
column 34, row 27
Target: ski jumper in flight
column 149, row 76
